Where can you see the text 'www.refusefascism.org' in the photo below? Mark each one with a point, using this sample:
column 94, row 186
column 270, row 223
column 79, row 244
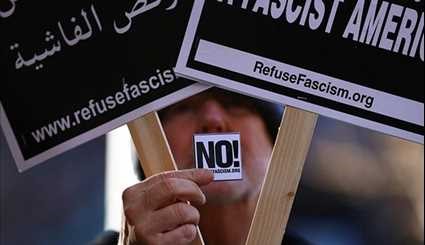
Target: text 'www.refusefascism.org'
column 95, row 108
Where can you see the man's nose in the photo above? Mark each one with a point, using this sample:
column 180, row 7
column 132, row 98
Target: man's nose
column 214, row 117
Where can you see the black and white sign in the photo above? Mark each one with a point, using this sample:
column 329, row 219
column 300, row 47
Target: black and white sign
column 74, row 70
column 357, row 61
column 220, row 153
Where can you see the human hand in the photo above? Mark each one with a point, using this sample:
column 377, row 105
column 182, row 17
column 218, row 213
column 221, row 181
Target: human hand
column 157, row 209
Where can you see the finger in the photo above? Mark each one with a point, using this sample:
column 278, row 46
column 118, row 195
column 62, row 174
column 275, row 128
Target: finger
column 134, row 192
column 165, row 193
column 172, row 190
column 171, row 217
column 182, row 235
column 199, row 176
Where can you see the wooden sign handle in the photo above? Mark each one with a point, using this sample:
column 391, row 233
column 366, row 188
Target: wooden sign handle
column 155, row 157
column 282, row 177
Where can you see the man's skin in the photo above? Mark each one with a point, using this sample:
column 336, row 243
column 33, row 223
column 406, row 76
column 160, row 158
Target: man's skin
column 157, row 207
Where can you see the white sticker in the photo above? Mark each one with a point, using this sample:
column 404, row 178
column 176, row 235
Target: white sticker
column 220, row 153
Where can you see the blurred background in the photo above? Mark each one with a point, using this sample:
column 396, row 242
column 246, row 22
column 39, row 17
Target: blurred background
column 359, row 187
column 60, row 201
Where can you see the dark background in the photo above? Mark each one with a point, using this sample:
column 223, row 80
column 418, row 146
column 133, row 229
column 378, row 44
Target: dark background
column 62, row 201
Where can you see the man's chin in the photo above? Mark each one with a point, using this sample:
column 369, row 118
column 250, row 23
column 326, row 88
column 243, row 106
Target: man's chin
column 223, row 192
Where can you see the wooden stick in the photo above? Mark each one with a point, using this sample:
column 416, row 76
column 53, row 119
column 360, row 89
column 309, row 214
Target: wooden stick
column 155, row 157
column 282, row 177
column 151, row 145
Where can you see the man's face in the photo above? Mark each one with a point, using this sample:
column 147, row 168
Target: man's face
column 217, row 111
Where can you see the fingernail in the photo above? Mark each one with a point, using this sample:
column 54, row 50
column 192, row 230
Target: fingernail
column 204, row 198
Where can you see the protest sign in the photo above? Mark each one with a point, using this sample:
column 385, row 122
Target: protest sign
column 74, row 70
column 356, row 61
